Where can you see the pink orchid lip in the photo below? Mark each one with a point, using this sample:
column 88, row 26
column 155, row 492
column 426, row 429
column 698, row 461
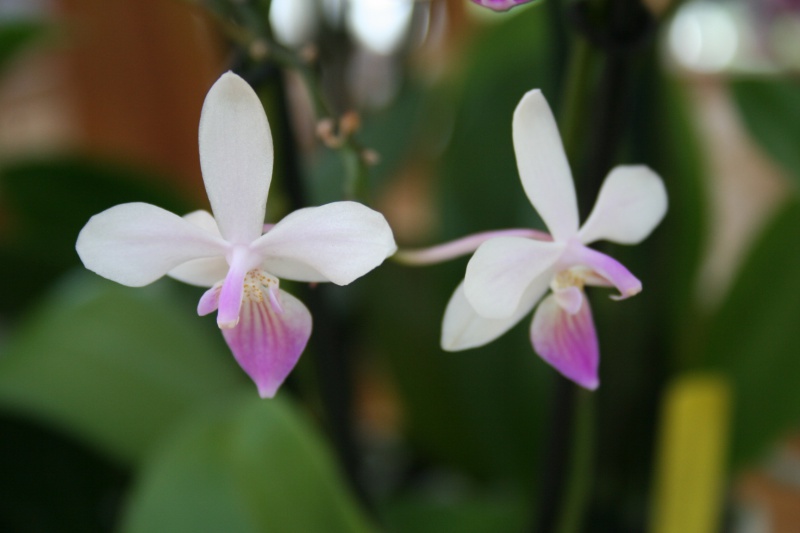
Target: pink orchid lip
column 567, row 341
column 267, row 343
column 604, row 266
column 463, row 246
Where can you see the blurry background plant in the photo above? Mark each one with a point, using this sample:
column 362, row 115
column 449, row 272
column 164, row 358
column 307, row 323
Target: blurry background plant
column 119, row 414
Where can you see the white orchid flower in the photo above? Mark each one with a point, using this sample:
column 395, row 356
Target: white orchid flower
column 512, row 270
column 266, row 328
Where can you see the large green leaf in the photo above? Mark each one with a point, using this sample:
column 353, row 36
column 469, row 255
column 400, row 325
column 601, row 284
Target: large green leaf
column 755, row 338
column 48, row 200
column 244, row 466
column 770, row 109
column 433, row 513
column 113, row 365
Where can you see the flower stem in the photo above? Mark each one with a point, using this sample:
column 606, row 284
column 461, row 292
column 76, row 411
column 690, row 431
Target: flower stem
column 565, row 488
column 579, row 482
column 330, row 341
column 555, row 460
column 562, row 493
column 575, row 95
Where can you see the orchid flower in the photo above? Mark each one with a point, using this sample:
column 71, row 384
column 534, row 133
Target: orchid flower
column 501, row 5
column 511, row 270
column 233, row 253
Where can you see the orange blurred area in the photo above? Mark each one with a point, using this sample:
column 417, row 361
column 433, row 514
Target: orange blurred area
column 123, row 79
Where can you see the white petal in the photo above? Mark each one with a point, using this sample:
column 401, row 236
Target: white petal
column 203, row 219
column 502, row 269
column 202, row 272
column 135, row 244
column 463, row 328
column 236, row 157
column 292, row 269
column 337, row 242
column 543, row 166
column 631, row 203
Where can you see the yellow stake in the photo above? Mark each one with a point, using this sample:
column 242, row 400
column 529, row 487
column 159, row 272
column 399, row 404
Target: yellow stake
column 690, row 476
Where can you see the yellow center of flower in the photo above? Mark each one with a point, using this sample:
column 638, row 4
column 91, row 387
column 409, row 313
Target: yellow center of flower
column 255, row 282
column 572, row 277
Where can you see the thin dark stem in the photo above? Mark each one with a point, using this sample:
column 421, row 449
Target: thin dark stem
column 628, row 24
column 330, row 342
column 564, row 489
column 555, row 464
column 609, row 127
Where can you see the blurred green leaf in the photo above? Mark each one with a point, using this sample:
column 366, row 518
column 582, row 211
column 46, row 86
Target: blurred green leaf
column 770, row 109
column 113, row 365
column 755, row 338
column 16, row 35
column 53, row 197
column 680, row 242
column 428, row 514
column 480, row 185
column 48, row 200
column 244, row 466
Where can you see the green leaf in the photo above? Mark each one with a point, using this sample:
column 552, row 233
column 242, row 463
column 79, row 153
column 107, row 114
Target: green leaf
column 244, row 466
column 428, row 514
column 755, row 338
column 114, row 366
column 770, row 109
column 481, row 187
column 48, row 200
column 77, row 187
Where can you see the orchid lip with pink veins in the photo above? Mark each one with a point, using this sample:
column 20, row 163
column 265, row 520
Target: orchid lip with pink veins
column 510, row 271
column 233, row 253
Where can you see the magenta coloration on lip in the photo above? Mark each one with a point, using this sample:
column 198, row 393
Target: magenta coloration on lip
column 568, row 342
column 267, row 342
